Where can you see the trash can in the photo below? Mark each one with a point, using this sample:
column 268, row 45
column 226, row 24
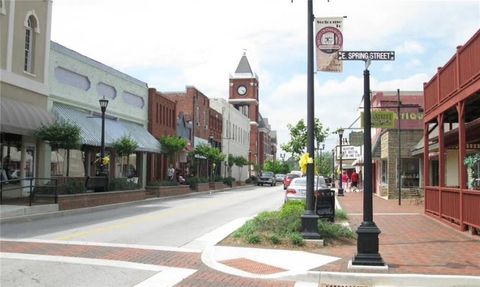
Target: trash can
column 325, row 203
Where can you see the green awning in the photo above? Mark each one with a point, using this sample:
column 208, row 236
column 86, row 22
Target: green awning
column 91, row 128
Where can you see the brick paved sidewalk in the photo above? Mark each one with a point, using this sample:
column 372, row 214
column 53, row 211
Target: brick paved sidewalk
column 192, row 260
column 410, row 242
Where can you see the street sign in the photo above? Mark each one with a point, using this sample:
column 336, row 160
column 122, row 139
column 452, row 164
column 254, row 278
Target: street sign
column 380, row 119
column 366, row 55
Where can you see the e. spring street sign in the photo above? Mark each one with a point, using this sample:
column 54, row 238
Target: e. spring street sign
column 366, row 55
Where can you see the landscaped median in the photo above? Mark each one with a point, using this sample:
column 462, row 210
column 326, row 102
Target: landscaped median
column 281, row 229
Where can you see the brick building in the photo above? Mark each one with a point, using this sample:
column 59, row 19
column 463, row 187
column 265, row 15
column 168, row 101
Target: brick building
column 195, row 108
column 162, row 115
column 244, row 96
column 388, row 143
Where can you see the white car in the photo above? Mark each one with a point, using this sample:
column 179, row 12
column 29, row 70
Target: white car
column 297, row 189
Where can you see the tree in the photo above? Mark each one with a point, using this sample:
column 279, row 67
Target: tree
column 275, row 167
column 171, row 145
column 213, row 155
column 240, row 161
column 298, row 137
column 323, row 164
column 60, row 135
column 124, row 147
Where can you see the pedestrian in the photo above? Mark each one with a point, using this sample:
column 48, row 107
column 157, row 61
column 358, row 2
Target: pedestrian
column 171, row 173
column 344, row 180
column 354, row 178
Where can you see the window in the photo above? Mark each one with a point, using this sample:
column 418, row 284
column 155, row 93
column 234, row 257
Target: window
column 384, row 171
column 30, row 27
column 434, row 173
column 71, row 78
column 410, row 172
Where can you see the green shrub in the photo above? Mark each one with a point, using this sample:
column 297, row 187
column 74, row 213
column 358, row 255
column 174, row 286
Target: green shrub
column 218, row 178
column 229, row 181
column 192, row 182
column 245, row 230
column 121, row 183
column 248, row 181
column 340, row 214
column 254, row 238
column 334, row 231
column 74, row 186
column 275, row 239
column 296, row 239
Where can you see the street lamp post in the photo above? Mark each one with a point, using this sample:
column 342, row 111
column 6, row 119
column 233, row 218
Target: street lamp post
column 367, row 242
column 333, row 167
column 103, row 106
column 340, row 183
column 310, row 217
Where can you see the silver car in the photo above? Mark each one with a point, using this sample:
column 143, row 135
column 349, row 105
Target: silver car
column 297, row 189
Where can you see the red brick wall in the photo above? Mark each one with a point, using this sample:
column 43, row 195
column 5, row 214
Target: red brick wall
column 253, row 143
column 161, row 114
column 215, row 125
column 187, row 103
column 72, row 201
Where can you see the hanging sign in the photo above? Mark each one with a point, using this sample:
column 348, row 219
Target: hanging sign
column 329, row 41
column 380, row 119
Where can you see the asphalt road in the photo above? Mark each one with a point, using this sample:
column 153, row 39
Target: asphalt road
column 172, row 222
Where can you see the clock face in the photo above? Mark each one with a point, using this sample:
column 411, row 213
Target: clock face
column 242, row 90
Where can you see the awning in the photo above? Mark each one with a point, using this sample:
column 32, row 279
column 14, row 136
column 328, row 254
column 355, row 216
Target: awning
column 91, row 129
column 22, row 118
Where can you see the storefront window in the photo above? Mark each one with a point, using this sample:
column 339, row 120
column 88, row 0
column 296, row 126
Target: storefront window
column 384, row 171
column 58, row 165
column 410, row 172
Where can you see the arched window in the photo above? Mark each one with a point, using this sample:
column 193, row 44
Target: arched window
column 31, row 26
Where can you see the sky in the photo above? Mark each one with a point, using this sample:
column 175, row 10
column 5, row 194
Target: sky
column 172, row 44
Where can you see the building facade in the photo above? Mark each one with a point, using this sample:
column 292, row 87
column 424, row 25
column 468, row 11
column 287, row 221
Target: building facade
column 77, row 83
column 194, row 107
column 235, row 137
column 24, row 63
column 162, row 121
column 396, row 170
column 451, row 135
column 244, row 96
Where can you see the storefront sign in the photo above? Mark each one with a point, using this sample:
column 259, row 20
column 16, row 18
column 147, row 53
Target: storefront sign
column 380, row 119
column 329, row 41
column 349, row 152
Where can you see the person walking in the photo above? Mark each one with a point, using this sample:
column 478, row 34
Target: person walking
column 354, row 178
column 344, row 180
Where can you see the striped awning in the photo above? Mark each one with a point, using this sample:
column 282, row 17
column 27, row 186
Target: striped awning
column 91, row 128
column 22, row 118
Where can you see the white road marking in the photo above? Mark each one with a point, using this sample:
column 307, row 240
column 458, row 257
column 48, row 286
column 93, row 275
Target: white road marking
column 121, row 245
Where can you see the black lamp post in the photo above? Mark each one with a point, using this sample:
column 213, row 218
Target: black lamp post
column 340, row 180
column 103, row 106
column 310, row 217
column 333, row 168
column 367, row 242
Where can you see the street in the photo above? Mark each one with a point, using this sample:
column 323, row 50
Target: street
column 178, row 224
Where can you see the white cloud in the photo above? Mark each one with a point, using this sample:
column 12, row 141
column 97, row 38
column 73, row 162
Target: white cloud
column 410, row 47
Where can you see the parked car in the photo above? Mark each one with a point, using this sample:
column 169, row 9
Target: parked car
column 279, row 177
column 266, row 177
column 288, row 178
column 297, row 189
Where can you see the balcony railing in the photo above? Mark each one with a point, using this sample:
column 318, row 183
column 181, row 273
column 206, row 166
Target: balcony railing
column 457, row 73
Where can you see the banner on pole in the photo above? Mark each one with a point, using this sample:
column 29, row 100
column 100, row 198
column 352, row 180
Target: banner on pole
column 329, row 41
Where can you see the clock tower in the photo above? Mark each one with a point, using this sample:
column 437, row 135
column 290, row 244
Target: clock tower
column 243, row 95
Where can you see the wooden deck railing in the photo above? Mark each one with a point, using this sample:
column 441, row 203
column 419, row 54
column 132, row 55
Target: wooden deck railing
column 452, row 206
